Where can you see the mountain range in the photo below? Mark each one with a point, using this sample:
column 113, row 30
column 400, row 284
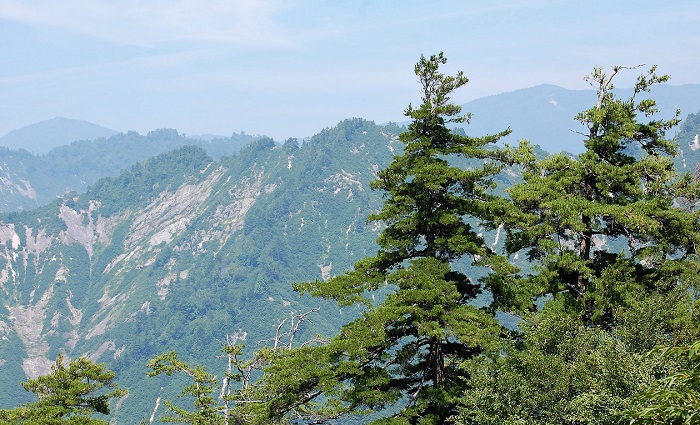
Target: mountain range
column 545, row 114
column 43, row 136
column 181, row 251
column 46, row 160
column 28, row 181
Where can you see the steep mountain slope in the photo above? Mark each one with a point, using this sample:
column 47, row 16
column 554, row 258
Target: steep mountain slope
column 28, row 181
column 181, row 251
column 43, row 136
column 688, row 139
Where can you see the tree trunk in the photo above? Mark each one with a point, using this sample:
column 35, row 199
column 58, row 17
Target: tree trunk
column 584, row 253
column 437, row 360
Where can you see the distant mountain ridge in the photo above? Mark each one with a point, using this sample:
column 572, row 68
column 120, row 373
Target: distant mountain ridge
column 43, row 136
column 28, row 181
column 545, row 114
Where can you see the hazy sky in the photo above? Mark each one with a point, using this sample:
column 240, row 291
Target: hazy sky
column 288, row 68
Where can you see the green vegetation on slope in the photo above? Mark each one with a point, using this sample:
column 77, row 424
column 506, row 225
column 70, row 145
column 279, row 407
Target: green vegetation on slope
column 610, row 239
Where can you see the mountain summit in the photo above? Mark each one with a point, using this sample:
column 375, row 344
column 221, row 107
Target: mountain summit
column 545, row 114
column 43, row 136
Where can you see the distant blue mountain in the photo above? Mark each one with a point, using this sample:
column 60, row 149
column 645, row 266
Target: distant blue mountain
column 41, row 137
column 545, row 114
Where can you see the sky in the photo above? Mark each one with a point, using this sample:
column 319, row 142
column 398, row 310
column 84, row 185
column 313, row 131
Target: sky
column 289, row 68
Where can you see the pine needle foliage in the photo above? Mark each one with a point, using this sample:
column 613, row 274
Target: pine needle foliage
column 615, row 223
column 400, row 361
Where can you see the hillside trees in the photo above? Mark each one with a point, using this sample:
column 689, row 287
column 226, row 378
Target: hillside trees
column 206, row 410
column 612, row 239
column 70, row 394
column 239, row 396
column 402, row 357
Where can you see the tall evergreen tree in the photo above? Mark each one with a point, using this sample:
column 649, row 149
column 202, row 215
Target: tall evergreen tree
column 402, row 357
column 612, row 240
column 606, row 227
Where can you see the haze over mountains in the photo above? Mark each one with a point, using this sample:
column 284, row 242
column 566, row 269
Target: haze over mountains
column 43, row 136
column 543, row 114
column 27, row 181
column 66, row 155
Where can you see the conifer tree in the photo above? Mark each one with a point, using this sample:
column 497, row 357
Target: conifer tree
column 206, row 411
column 612, row 239
column 402, row 357
column 69, row 394
column 606, row 227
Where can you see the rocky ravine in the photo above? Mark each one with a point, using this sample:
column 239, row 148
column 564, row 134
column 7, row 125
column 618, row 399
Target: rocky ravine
column 49, row 312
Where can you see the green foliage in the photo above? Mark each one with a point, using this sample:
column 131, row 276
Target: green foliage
column 68, row 395
column 606, row 242
column 611, row 239
column 560, row 371
column 604, row 228
column 402, row 356
column 566, row 374
column 201, row 389
column 674, row 399
column 242, row 400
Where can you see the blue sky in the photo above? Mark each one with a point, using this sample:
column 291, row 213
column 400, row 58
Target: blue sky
column 288, row 68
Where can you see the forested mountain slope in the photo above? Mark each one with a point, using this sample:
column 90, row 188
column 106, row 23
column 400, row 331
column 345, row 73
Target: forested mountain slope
column 181, row 251
column 688, row 140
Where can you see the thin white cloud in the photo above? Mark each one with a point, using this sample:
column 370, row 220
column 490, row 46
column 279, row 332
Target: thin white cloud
column 149, row 64
column 139, row 22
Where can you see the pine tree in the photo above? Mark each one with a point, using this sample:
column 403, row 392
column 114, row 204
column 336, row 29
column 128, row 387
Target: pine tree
column 612, row 239
column 206, row 410
column 403, row 356
column 68, row 395
column 605, row 228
